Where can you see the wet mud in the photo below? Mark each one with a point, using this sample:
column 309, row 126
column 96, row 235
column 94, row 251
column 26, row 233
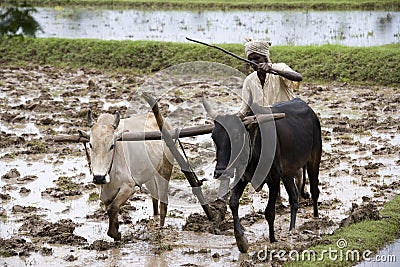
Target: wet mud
column 51, row 214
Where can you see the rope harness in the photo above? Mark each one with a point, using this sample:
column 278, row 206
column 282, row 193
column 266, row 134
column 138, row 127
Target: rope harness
column 243, row 153
column 88, row 158
column 252, row 144
column 111, row 164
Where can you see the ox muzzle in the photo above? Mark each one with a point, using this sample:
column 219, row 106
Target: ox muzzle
column 99, row 179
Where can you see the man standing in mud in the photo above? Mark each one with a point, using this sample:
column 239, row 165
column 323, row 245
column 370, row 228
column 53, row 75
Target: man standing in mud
column 269, row 83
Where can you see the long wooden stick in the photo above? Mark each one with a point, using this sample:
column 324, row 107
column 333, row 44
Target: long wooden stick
column 223, row 50
column 140, row 136
column 230, row 53
column 157, row 135
column 185, row 167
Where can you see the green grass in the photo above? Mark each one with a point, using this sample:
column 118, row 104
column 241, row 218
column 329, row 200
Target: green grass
column 372, row 65
column 93, row 197
column 225, row 4
column 362, row 237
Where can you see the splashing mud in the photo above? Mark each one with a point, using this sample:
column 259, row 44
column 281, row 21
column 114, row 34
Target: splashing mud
column 50, row 213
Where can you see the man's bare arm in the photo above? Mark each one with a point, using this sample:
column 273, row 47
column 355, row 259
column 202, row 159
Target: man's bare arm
column 290, row 75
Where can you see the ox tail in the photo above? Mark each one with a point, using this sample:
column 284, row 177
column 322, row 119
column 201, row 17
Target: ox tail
column 313, row 164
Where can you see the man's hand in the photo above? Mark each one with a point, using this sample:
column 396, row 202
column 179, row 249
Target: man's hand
column 290, row 75
column 266, row 67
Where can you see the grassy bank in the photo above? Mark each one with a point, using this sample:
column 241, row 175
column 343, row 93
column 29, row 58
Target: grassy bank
column 373, row 65
column 367, row 235
column 225, row 4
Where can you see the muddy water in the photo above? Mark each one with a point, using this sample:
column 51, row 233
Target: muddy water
column 354, row 28
column 387, row 257
column 48, row 214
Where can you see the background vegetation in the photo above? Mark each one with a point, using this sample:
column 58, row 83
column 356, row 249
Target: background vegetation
column 224, row 4
column 18, row 20
column 373, row 65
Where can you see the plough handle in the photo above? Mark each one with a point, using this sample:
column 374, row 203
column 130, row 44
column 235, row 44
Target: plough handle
column 185, row 167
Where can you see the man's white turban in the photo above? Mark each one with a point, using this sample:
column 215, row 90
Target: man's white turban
column 257, row 46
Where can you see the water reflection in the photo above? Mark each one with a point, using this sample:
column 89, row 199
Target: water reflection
column 384, row 24
column 353, row 28
column 387, row 257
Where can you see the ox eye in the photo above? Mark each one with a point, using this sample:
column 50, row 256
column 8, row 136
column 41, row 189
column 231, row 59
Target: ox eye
column 112, row 147
column 90, row 146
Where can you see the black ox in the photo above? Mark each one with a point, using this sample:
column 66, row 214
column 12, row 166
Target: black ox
column 267, row 152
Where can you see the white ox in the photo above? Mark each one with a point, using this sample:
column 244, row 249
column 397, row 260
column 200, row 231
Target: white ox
column 118, row 167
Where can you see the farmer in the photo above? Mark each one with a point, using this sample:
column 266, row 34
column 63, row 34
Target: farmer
column 270, row 82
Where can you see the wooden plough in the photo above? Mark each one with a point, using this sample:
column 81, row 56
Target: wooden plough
column 169, row 136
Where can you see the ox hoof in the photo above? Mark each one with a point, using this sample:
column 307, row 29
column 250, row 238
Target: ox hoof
column 116, row 236
column 162, row 224
column 242, row 243
column 316, row 214
column 305, row 195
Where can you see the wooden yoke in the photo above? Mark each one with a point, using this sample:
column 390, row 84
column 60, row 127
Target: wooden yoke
column 183, row 164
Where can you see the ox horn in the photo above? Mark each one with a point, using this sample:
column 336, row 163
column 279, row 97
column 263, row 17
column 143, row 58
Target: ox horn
column 90, row 118
column 210, row 111
column 117, row 119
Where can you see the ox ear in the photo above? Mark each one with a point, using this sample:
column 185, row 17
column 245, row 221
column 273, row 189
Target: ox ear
column 118, row 135
column 210, row 111
column 117, row 119
column 90, row 118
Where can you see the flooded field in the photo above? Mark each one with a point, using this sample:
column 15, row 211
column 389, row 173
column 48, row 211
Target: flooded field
column 352, row 28
column 50, row 214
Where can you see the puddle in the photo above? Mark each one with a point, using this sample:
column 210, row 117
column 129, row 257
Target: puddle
column 387, row 257
column 24, row 129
